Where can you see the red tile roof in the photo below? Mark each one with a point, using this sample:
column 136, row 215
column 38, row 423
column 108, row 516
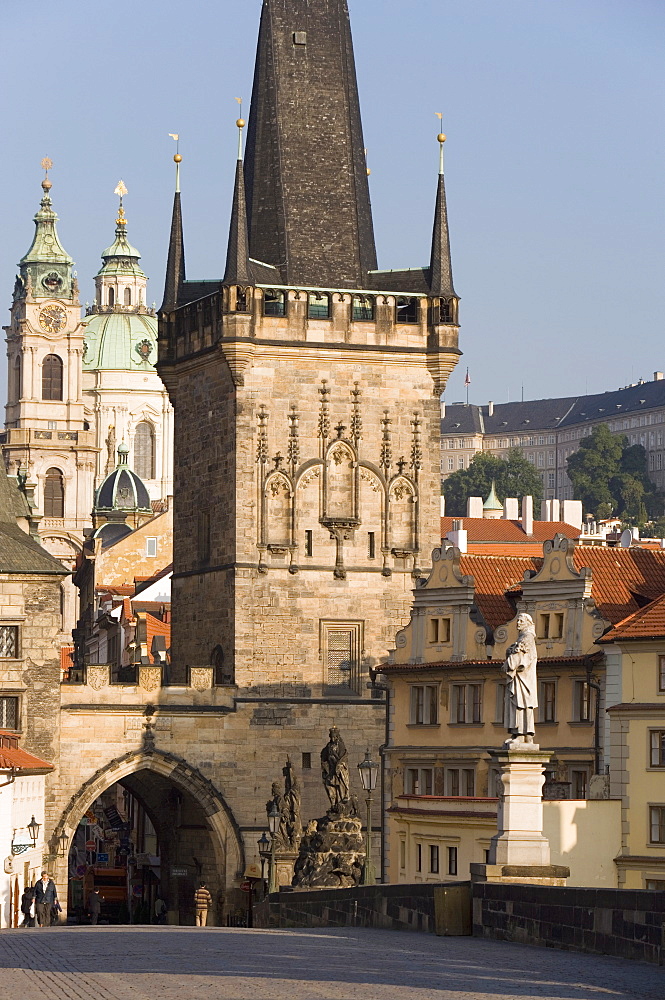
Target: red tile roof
column 486, row 531
column 647, row 623
column 493, row 576
column 153, row 627
column 623, row 579
column 12, row 756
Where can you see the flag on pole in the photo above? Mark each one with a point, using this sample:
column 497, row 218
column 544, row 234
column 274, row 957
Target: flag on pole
column 467, row 380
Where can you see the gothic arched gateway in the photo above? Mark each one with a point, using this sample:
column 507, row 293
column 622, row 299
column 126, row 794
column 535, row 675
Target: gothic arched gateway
column 196, row 832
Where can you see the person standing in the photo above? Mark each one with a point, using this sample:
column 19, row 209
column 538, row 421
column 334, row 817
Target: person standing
column 46, row 895
column 202, row 901
column 160, row 910
column 27, row 907
column 94, row 906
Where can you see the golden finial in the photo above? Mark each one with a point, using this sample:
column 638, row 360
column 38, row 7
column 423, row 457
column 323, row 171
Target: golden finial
column 121, row 191
column 177, row 159
column 46, row 166
column 441, row 138
column 369, row 172
column 240, row 125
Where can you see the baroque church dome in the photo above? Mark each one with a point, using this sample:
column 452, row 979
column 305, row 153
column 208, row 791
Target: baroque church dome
column 123, row 491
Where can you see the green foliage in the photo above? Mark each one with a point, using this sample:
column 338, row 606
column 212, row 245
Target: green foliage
column 514, row 477
column 610, row 477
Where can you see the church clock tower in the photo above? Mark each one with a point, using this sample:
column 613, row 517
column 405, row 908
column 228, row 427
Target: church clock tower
column 47, row 436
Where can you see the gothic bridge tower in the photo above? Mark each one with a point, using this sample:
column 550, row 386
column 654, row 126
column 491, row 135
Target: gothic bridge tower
column 306, row 390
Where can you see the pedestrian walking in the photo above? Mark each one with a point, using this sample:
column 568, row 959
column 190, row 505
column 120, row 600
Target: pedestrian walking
column 28, row 907
column 94, row 906
column 160, row 910
column 56, row 910
column 46, row 895
column 202, row 901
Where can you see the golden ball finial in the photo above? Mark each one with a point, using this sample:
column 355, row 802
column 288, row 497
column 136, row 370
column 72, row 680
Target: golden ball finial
column 369, row 172
column 177, row 158
column 441, row 137
column 241, row 123
column 46, row 184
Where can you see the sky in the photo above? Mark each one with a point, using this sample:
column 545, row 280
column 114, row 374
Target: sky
column 554, row 161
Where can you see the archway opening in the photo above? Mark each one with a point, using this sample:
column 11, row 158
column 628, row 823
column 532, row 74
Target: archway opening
column 144, row 839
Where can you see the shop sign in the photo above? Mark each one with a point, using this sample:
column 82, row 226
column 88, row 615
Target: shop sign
column 102, row 858
column 179, row 872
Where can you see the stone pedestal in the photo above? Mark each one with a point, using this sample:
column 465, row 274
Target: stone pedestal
column 519, row 852
column 284, row 865
column 519, row 839
column 332, row 852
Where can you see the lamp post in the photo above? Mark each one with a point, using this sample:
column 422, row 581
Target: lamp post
column 264, row 850
column 63, row 844
column 274, row 816
column 33, row 829
column 369, row 772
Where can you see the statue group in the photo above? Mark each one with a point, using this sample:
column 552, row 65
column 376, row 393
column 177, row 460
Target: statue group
column 331, row 849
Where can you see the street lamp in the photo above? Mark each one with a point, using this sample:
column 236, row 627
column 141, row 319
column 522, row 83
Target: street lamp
column 63, row 844
column 369, row 772
column 264, row 849
column 33, row 829
column 274, row 817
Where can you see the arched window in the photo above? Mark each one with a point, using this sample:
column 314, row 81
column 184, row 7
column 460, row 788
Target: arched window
column 144, row 450
column 111, row 296
column 16, row 394
column 52, row 377
column 222, row 675
column 128, row 296
column 54, row 494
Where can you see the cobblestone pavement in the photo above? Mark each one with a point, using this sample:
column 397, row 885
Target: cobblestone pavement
column 162, row 963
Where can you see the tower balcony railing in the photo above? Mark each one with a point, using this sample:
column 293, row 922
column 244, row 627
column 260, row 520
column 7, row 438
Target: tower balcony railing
column 139, row 310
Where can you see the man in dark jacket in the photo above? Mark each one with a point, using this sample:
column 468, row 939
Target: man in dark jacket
column 46, row 895
column 27, row 903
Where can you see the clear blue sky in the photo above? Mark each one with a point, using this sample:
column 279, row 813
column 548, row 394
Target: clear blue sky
column 554, row 164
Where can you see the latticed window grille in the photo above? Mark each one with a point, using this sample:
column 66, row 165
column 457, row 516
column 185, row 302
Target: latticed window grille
column 342, row 645
column 54, row 494
column 8, row 713
column 9, row 642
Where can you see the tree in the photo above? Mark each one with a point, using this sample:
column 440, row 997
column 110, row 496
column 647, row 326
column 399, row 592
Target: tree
column 608, row 474
column 513, row 477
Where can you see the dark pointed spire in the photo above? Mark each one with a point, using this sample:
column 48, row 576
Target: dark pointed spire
column 175, row 263
column 308, row 202
column 238, row 270
column 441, row 271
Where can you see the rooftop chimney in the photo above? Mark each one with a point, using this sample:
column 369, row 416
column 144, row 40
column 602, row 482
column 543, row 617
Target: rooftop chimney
column 458, row 535
column 658, row 376
column 527, row 515
column 511, row 509
column 474, row 507
column 443, row 409
column 490, row 409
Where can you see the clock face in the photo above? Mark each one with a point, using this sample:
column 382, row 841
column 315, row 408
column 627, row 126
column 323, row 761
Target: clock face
column 52, row 318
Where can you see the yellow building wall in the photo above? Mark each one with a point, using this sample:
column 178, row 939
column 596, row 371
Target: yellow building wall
column 585, row 835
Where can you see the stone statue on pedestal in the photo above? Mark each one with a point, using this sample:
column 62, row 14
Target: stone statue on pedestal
column 332, row 849
column 520, row 667
column 289, row 831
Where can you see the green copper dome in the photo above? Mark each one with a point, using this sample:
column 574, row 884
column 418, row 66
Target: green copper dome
column 493, row 502
column 120, row 340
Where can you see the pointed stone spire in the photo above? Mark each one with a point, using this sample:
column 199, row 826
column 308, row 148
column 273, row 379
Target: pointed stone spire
column 308, row 203
column 175, row 263
column 238, row 270
column 441, row 271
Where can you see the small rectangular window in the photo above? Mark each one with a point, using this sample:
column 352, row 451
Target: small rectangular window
column 52, row 425
column 424, row 704
column 452, row 861
column 419, row 857
column 341, row 650
column 459, row 703
column 475, row 691
column 306, row 761
column 548, row 701
column 151, row 547
column 8, row 713
column 469, row 776
column 655, row 885
column 8, row 642
column 543, row 626
column 578, row 784
column 661, row 674
column 582, row 701
column 434, row 859
column 657, row 824
column 402, row 854
column 371, row 545
column 363, row 308
column 453, row 782
column 309, row 543
column 657, row 756
column 318, row 305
